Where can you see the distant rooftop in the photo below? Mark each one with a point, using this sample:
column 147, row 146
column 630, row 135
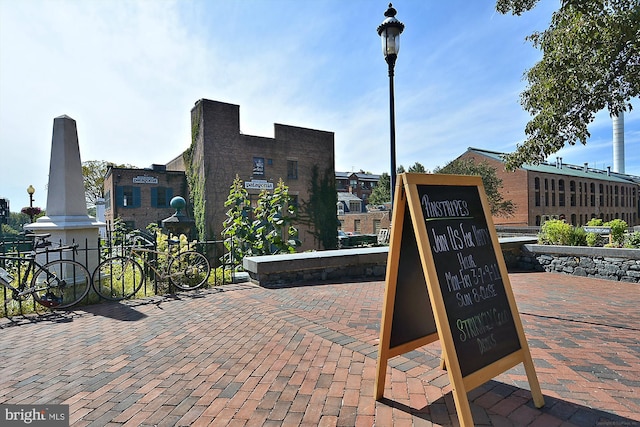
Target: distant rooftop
column 362, row 176
column 560, row 168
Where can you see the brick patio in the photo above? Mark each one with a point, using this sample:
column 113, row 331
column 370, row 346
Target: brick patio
column 306, row 356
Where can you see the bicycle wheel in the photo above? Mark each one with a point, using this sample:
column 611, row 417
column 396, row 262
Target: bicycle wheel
column 60, row 284
column 189, row 270
column 118, row 278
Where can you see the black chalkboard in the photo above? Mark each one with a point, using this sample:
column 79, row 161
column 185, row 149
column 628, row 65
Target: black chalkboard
column 412, row 317
column 446, row 280
column 476, row 304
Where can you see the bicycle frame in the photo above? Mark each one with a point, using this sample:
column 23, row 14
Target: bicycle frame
column 54, row 283
column 6, row 278
column 138, row 252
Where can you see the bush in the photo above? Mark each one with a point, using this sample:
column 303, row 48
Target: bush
column 594, row 239
column 633, row 240
column 578, row 237
column 618, row 229
column 595, row 222
column 555, row 232
column 558, row 232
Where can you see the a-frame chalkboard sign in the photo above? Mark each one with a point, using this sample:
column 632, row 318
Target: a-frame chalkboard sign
column 447, row 280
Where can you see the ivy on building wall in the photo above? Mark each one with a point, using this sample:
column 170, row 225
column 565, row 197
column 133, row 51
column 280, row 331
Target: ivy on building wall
column 319, row 212
column 195, row 180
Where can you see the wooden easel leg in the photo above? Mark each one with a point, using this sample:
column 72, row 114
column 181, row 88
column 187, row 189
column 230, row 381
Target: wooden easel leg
column 381, row 376
column 536, row 392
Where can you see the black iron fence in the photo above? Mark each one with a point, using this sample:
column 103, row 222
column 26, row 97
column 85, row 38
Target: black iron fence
column 90, row 255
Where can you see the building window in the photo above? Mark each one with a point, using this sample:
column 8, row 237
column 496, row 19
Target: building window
column 354, row 206
column 580, row 194
column 161, row 197
column 356, row 226
column 107, row 199
column 292, row 169
column 616, row 191
column 376, row 226
column 593, row 194
column 601, row 194
column 546, row 192
column 536, row 183
column 128, row 196
column 572, row 189
column 537, row 196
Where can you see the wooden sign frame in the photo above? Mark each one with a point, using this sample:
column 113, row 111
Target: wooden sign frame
column 420, row 309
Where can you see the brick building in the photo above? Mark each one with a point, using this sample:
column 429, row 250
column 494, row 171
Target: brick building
column 219, row 152
column 354, row 212
column 361, row 184
column 141, row 196
column 552, row 190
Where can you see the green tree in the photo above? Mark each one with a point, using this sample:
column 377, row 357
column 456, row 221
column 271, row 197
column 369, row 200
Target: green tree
column 590, row 61
column 618, row 229
column 236, row 228
column 272, row 229
column 416, row 168
column 264, row 230
column 382, row 192
column 319, row 212
column 93, row 174
column 492, row 184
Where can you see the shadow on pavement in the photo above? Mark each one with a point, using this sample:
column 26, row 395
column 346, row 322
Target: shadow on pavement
column 555, row 410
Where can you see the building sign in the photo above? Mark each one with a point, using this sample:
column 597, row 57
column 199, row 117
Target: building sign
column 258, row 165
column 258, row 184
column 143, row 179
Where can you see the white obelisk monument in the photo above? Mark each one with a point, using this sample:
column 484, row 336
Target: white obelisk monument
column 66, row 217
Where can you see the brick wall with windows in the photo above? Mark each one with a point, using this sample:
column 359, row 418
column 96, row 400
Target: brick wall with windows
column 142, row 196
column 221, row 152
column 577, row 193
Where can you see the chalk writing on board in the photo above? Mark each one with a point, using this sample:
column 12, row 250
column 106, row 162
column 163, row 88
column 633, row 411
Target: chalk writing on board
column 473, row 292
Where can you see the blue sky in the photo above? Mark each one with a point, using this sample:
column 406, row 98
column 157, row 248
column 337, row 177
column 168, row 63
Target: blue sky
column 129, row 73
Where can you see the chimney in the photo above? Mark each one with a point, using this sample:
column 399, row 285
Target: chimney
column 560, row 162
column 608, row 170
column 618, row 142
column 586, row 167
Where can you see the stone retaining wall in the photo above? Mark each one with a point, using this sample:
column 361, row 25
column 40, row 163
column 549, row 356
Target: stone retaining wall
column 370, row 263
column 601, row 263
column 273, row 271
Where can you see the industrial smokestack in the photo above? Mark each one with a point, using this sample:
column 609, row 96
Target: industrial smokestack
column 618, row 142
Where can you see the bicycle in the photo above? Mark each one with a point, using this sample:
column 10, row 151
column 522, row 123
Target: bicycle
column 55, row 284
column 121, row 276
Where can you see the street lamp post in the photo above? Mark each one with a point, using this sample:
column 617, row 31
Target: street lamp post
column 31, row 190
column 389, row 32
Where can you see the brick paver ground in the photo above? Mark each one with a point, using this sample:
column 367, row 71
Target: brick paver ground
column 306, row 356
